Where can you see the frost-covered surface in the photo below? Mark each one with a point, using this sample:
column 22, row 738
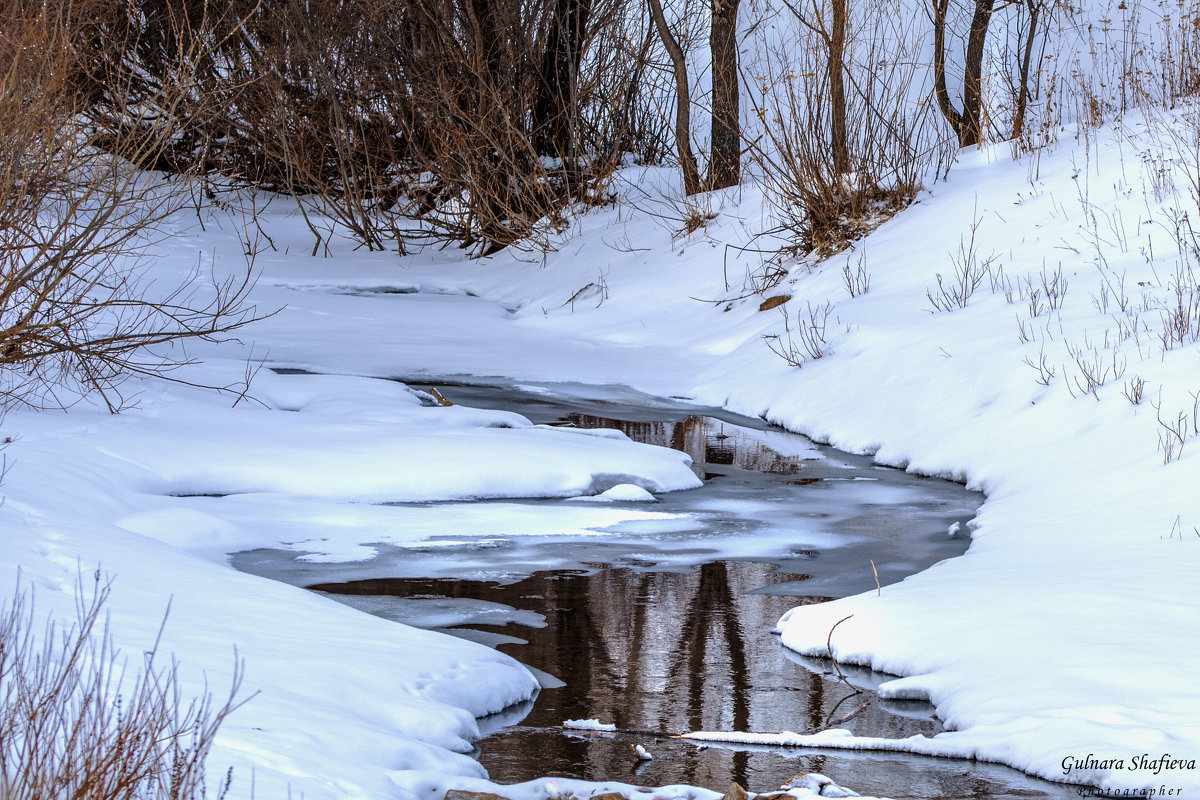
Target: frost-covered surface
column 622, row 492
column 1069, row 629
column 588, row 725
column 812, row 784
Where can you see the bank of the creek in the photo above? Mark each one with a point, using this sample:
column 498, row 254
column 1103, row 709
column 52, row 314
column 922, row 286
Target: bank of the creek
column 669, row 632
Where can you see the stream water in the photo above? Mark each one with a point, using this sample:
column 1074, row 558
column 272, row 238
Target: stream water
column 663, row 632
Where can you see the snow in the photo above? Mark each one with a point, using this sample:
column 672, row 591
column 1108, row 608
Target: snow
column 588, row 725
column 1068, row 630
column 622, row 492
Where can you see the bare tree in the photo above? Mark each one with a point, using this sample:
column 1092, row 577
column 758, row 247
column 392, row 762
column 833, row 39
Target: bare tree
column 724, row 166
column 556, row 106
column 683, row 100
column 966, row 123
column 892, row 144
column 833, row 38
column 724, row 163
column 78, row 311
column 1034, row 7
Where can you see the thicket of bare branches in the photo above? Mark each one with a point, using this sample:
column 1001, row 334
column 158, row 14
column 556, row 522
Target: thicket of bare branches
column 492, row 166
column 834, row 179
column 78, row 311
column 79, row 722
column 483, row 119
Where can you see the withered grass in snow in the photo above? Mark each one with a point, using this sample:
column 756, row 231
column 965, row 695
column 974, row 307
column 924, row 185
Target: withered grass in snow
column 81, row 721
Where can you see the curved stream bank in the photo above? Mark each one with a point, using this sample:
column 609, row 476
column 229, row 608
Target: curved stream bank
column 670, row 631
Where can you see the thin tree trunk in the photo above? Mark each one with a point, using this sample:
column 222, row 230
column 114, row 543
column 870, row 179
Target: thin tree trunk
column 556, row 102
column 628, row 105
column 481, row 14
column 837, row 88
column 967, row 124
column 724, row 168
column 939, row 68
column 972, row 116
column 1035, row 8
column 683, row 114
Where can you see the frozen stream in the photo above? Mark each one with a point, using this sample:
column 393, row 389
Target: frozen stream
column 667, row 628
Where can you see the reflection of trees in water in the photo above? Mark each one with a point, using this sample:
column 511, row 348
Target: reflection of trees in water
column 657, row 651
column 713, row 606
column 682, row 651
column 705, row 439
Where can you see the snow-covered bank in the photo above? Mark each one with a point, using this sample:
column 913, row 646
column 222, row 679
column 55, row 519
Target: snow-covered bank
column 346, row 702
column 1066, row 631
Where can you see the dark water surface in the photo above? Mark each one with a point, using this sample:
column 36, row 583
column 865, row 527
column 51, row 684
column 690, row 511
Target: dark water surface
column 663, row 633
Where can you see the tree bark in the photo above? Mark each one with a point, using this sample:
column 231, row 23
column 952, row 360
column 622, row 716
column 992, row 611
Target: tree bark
column 724, row 168
column 683, row 113
column 1035, row 8
column 972, row 116
column 557, row 99
column 837, row 88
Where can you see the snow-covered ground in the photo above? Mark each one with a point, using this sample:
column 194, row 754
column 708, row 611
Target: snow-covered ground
column 1066, row 633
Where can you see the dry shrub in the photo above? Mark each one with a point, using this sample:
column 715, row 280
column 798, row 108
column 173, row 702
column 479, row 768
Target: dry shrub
column 283, row 95
column 79, row 723
column 316, row 107
column 78, row 310
column 493, row 167
column 1094, row 68
column 484, row 183
column 445, row 111
column 894, row 136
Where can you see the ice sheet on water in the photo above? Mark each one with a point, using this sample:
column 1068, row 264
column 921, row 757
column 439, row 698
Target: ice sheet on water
column 588, row 725
column 440, row 612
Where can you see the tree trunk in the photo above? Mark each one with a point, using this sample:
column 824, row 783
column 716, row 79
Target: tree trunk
column 837, row 88
column 1035, row 8
column 557, row 100
column 724, row 168
column 972, row 116
column 939, row 67
column 683, row 113
column 967, row 124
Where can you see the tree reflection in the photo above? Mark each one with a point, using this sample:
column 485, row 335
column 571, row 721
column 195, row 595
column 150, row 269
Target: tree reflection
column 654, row 651
column 705, row 439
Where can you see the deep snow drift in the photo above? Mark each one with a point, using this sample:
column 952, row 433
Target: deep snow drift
column 1067, row 631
